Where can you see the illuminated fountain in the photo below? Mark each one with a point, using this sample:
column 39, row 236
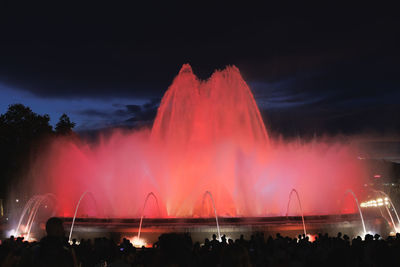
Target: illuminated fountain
column 208, row 136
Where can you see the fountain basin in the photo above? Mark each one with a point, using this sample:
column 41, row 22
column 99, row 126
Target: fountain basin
column 232, row 227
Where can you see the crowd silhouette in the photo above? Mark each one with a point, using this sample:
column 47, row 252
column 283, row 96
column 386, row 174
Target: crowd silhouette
column 179, row 250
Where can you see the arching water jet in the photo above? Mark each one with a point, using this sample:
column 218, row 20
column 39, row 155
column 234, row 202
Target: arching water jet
column 144, row 207
column 31, row 208
column 76, row 211
column 36, row 209
column 349, row 191
column 391, row 203
column 25, row 210
column 387, row 209
column 384, row 217
column 301, row 208
column 208, row 193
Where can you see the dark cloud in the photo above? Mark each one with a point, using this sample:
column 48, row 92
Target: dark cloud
column 94, row 113
column 134, row 108
column 137, row 53
column 340, row 116
column 147, row 113
column 123, row 115
column 310, row 67
column 128, row 110
column 152, row 104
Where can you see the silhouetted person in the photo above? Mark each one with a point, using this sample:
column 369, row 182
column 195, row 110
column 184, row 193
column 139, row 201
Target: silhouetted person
column 214, row 242
column 179, row 250
column 53, row 249
column 339, row 235
column 223, row 241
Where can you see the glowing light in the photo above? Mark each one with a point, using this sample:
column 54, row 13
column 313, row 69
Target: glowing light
column 10, row 233
column 24, row 236
column 30, row 239
column 379, row 202
column 137, row 242
column 362, row 234
column 311, row 238
column 377, row 176
column 17, row 200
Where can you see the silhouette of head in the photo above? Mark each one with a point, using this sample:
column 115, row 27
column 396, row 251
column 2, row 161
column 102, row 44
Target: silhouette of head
column 368, row 237
column 54, row 227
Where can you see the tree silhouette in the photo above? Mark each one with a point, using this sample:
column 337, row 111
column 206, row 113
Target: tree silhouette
column 64, row 125
column 20, row 130
column 22, row 135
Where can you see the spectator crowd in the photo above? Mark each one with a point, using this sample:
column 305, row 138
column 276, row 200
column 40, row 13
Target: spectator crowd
column 179, row 250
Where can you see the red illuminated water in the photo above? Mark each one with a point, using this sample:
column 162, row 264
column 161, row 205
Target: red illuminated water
column 207, row 136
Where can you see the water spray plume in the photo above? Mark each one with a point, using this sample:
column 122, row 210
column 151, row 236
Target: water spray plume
column 207, row 136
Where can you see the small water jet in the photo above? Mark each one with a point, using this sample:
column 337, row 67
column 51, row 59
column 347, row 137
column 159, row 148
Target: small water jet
column 391, row 203
column 36, row 209
column 144, row 207
column 384, row 217
column 387, row 209
column 301, row 208
column 25, row 210
column 208, row 193
column 391, row 218
column 31, row 208
column 76, row 211
column 349, row 191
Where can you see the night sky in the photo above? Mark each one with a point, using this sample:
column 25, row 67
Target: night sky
column 313, row 69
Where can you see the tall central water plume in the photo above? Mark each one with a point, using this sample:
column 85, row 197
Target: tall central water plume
column 221, row 109
column 203, row 126
column 207, row 136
